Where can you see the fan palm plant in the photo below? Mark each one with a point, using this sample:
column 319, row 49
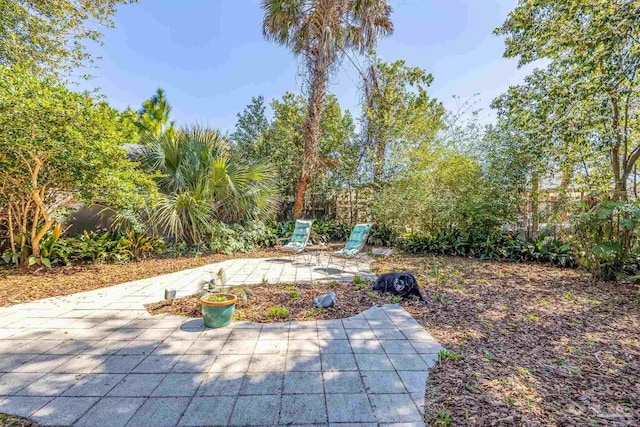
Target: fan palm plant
column 201, row 182
column 320, row 32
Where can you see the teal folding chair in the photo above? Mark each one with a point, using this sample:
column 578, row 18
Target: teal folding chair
column 299, row 239
column 353, row 247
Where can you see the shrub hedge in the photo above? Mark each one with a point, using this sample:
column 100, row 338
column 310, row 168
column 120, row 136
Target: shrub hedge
column 503, row 246
column 253, row 235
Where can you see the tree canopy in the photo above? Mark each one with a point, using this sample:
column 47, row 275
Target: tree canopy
column 58, row 147
column 585, row 103
column 280, row 143
column 250, row 130
column 153, row 118
column 321, row 32
column 398, row 115
column 51, row 36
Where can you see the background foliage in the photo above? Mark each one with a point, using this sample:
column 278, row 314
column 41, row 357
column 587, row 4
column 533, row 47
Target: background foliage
column 50, row 36
column 57, row 148
column 553, row 178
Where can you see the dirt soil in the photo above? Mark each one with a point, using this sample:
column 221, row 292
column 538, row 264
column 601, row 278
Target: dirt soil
column 23, row 285
column 540, row 346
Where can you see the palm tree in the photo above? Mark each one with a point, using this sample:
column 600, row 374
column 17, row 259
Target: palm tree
column 153, row 117
column 320, row 32
column 200, row 182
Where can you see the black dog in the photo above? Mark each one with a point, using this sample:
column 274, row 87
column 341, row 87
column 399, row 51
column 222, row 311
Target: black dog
column 402, row 284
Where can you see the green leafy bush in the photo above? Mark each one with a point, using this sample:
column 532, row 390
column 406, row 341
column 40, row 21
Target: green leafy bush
column 502, row 246
column 96, row 247
column 329, row 231
column 380, row 235
column 93, row 247
column 73, row 154
column 115, row 247
column 241, row 238
column 321, row 231
column 141, row 244
column 443, row 192
column 201, row 182
column 608, row 244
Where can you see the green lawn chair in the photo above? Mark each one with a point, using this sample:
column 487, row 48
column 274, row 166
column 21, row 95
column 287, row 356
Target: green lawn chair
column 353, row 248
column 299, row 239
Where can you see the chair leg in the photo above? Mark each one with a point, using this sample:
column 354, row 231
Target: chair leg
column 306, row 257
column 357, row 261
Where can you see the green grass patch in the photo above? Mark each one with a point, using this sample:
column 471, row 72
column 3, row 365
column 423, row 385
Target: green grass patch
column 448, row 355
column 278, row 313
column 443, row 419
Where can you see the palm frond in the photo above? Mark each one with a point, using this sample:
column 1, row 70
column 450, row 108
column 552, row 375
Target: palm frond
column 319, row 29
column 202, row 183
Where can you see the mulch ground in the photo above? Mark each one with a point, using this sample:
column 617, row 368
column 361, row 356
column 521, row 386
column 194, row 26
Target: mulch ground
column 296, row 299
column 7, row 420
column 539, row 345
column 23, row 285
column 531, row 344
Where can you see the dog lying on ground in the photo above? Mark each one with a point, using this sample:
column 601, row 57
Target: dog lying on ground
column 401, row 284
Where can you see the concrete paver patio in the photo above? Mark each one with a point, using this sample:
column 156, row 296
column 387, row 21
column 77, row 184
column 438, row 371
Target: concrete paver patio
column 99, row 359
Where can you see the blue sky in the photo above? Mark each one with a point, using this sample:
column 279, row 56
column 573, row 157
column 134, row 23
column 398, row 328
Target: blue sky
column 211, row 58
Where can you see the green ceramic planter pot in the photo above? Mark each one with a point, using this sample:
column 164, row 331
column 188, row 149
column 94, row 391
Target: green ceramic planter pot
column 218, row 309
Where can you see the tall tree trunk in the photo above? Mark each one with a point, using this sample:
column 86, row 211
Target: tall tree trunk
column 311, row 136
column 41, row 210
column 374, row 126
column 635, row 181
column 378, row 168
column 619, row 176
column 621, row 190
column 12, row 240
column 38, row 194
column 567, row 175
column 535, row 203
column 619, row 165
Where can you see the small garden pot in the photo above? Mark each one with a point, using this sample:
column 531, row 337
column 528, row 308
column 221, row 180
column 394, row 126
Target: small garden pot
column 218, row 309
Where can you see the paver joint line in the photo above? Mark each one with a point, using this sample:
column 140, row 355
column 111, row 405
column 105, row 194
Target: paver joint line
column 98, row 358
